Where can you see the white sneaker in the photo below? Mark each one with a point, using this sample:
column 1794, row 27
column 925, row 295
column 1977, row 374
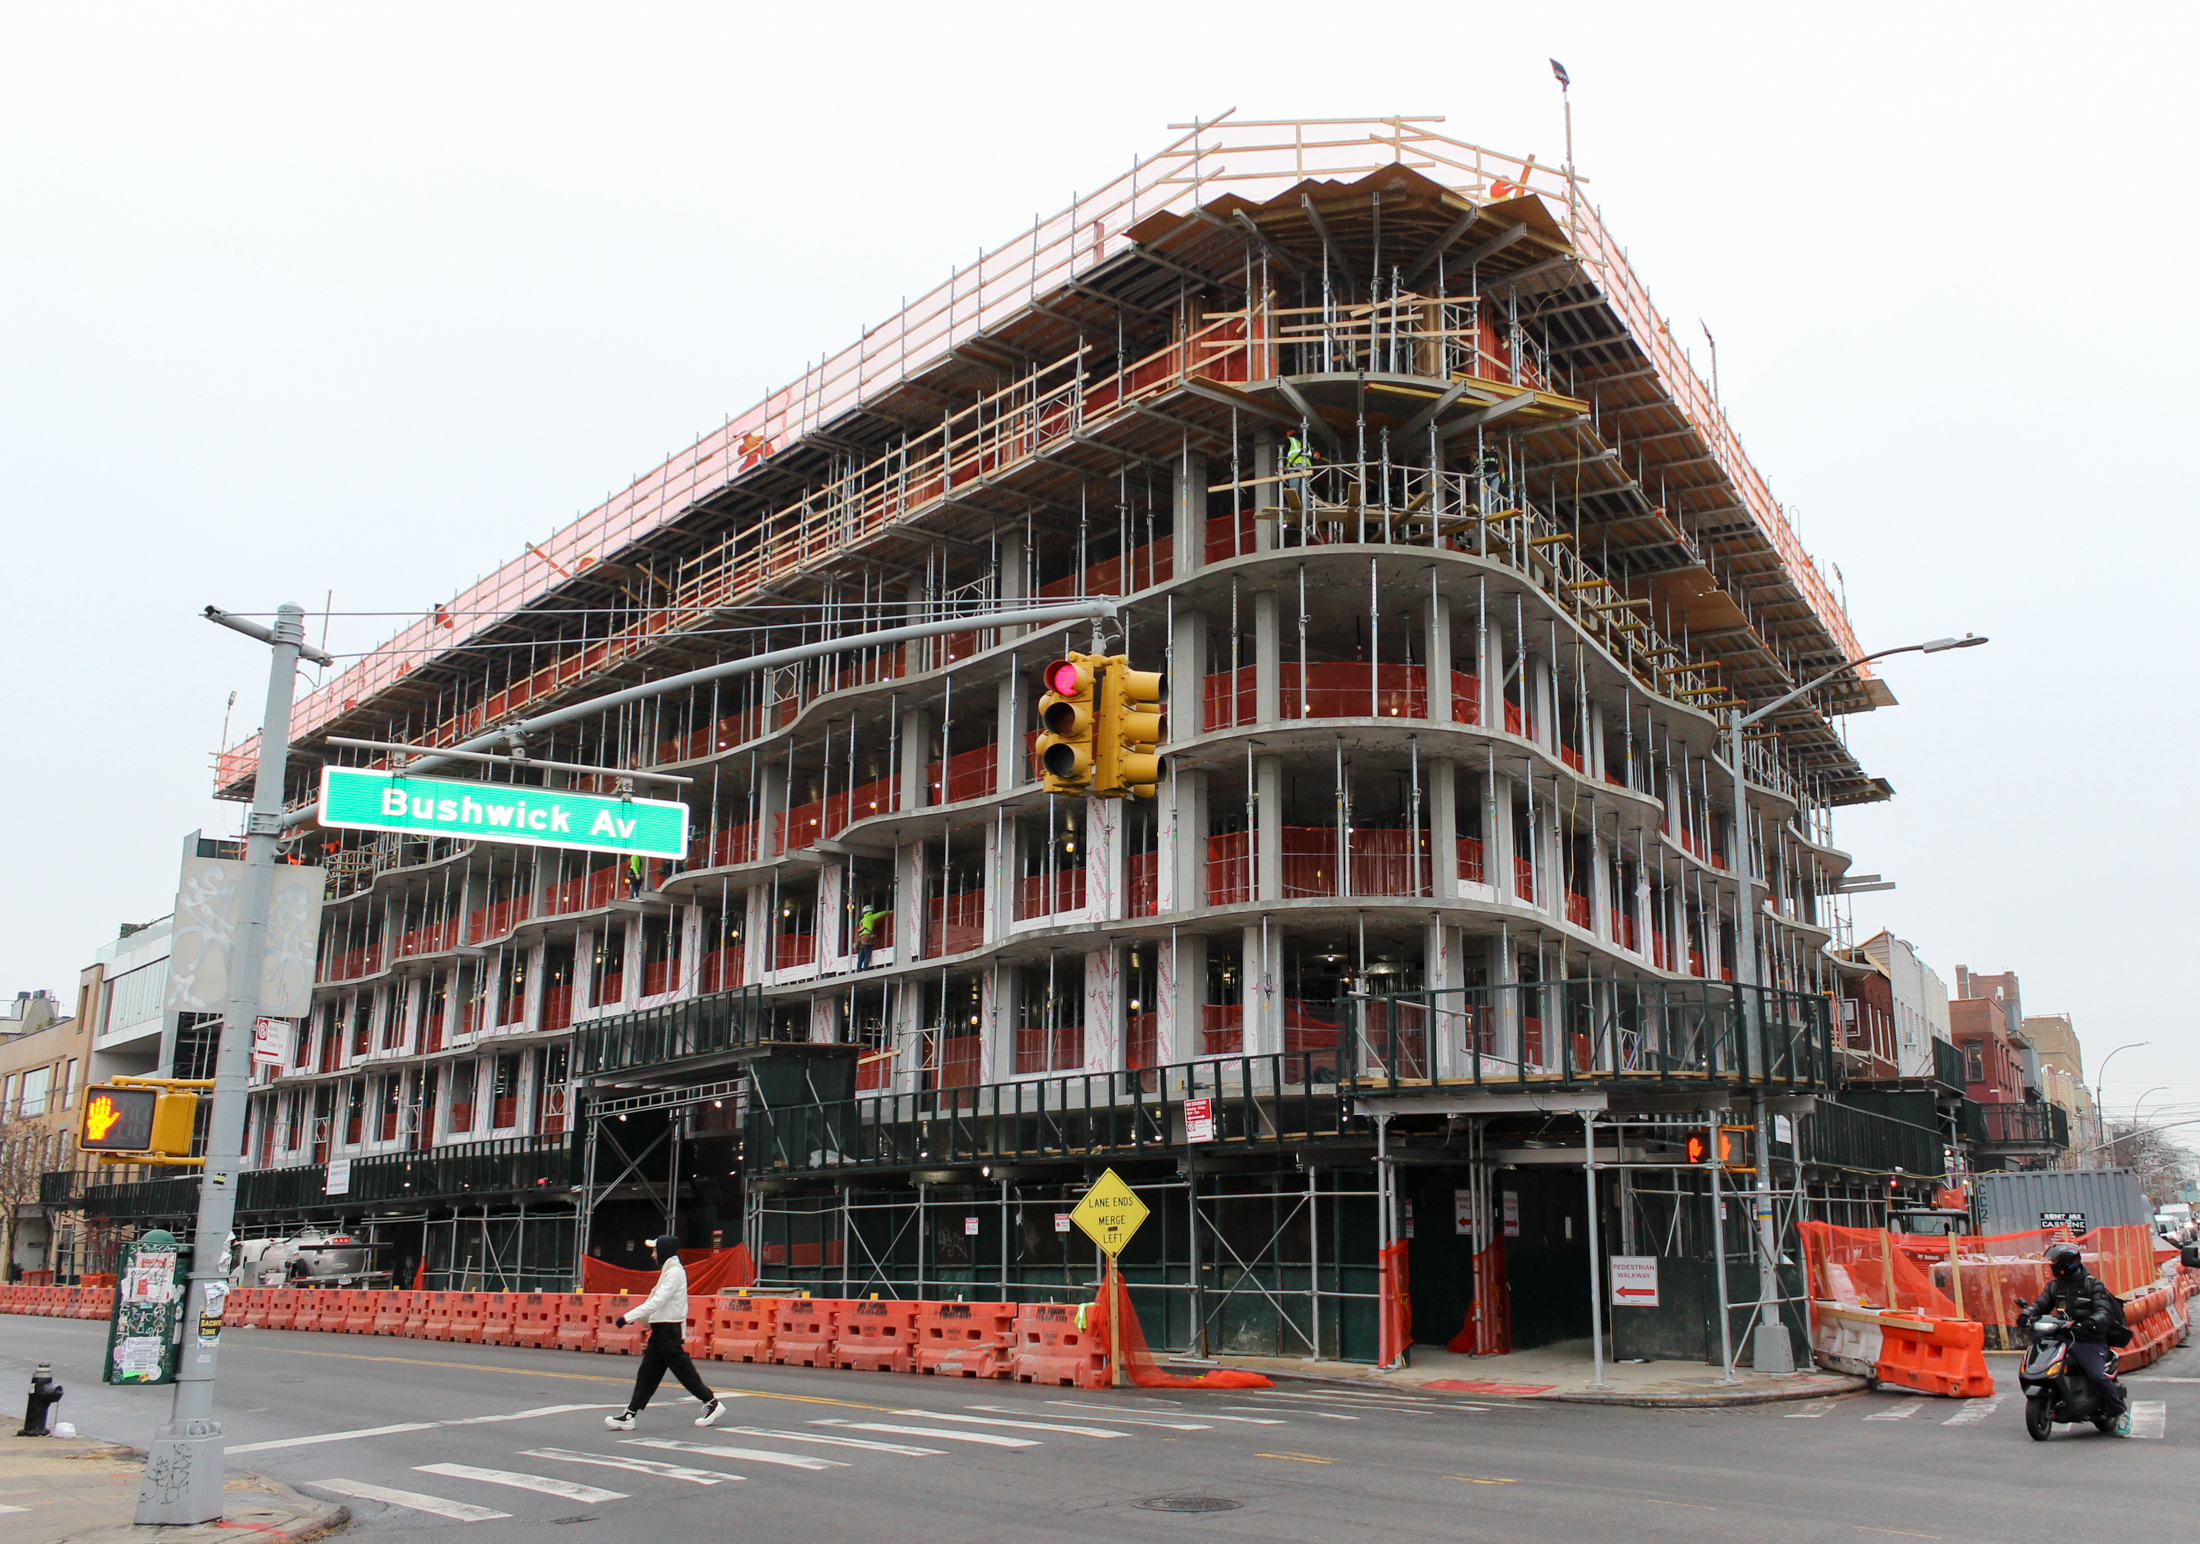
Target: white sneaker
column 710, row 1414
column 623, row 1421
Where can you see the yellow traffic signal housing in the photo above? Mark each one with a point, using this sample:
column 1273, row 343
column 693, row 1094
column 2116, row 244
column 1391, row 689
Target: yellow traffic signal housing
column 1066, row 723
column 1129, row 731
column 138, row 1121
column 1737, row 1149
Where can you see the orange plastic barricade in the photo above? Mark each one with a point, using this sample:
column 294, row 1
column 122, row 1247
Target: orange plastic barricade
column 498, row 1321
column 415, row 1326
column 359, row 1312
column 441, row 1308
column 535, row 1320
column 282, row 1310
column 966, row 1340
column 390, row 1311
column 1053, row 1349
column 615, row 1338
column 876, row 1337
column 250, row 1307
column 577, row 1316
column 466, row 1317
column 744, row 1329
column 803, row 1331
column 311, row 1303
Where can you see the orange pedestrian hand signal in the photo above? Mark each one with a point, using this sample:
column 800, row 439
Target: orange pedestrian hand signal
column 100, row 1118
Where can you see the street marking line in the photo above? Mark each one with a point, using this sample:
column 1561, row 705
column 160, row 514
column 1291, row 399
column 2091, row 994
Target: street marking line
column 523, row 1415
column 989, row 1420
column 333, row 1436
column 752, row 1455
column 1974, row 1411
column 1900, row 1533
column 1331, row 1415
column 1901, row 1412
column 1297, row 1458
column 1812, row 1411
column 1473, row 1480
column 1693, row 1506
column 6, row 1508
column 2158, row 1378
column 820, row 1437
column 986, row 1438
column 411, row 1500
column 635, row 1465
column 1120, row 1420
column 2149, row 1417
column 544, row 1483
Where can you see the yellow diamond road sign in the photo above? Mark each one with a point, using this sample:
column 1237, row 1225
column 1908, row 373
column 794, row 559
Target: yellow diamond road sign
column 1110, row 1213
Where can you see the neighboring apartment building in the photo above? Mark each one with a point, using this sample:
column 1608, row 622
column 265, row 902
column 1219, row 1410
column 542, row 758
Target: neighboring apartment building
column 44, row 1061
column 2054, row 1041
column 1435, row 727
column 1916, row 1000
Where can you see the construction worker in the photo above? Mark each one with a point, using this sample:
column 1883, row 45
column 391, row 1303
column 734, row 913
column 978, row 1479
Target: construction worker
column 636, row 872
column 1298, row 461
column 867, row 931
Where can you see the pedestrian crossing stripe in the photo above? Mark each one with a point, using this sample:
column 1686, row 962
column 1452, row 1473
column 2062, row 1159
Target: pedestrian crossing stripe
column 747, row 1455
column 896, row 1448
column 636, row 1465
column 1901, row 1412
column 1974, row 1411
column 547, row 1485
column 2148, row 1417
column 983, row 1438
column 982, row 1420
column 411, row 1500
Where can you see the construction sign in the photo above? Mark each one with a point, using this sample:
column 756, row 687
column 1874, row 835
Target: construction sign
column 1110, row 1213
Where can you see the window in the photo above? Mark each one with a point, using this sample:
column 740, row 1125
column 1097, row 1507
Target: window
column 362, row 1019
column 462, row 1096
column 1974, row 1065
column 68, row 1085
column 505, row 1112
column 35, row 1083
column 7, row 1097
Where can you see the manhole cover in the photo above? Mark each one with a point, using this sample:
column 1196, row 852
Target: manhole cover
column 1188, row 1504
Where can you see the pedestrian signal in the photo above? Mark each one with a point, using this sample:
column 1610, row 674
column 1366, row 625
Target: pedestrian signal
column 1066, row 723
column 125, row 1119
column 1696, row 1146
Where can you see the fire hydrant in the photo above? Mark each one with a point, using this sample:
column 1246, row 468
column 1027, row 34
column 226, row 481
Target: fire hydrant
column 45, row 1394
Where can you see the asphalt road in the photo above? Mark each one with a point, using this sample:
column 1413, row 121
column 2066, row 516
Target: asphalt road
column 420, row 1438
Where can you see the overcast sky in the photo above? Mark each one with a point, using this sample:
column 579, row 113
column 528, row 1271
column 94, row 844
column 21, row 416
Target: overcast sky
column 296, row 299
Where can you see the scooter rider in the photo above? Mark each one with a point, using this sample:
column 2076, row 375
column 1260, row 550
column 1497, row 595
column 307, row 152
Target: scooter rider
column 2095, row 1318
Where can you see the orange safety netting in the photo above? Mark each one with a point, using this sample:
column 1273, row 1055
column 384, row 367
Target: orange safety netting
column 1987, row 1278
column 708, row 1271
column 1139, row 1366
column 1488, row 1330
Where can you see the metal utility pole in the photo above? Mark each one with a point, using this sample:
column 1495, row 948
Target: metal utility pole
column 1771, row 1350
column 183, row 1462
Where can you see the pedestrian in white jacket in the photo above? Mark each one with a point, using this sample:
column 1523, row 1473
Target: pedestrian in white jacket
column 666, row 1310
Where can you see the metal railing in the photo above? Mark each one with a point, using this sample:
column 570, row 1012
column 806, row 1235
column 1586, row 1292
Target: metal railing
column 1948, row 1065
column 1588, row 1031
column 1259, row 1103
column 2026, row 1123
column 1845, row 1137
column 675, row 1032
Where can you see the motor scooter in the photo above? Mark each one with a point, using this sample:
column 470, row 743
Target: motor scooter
column 2055, row 1391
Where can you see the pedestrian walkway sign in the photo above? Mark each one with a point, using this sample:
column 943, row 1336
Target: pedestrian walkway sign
column 1110, row 1213
column 361, row 799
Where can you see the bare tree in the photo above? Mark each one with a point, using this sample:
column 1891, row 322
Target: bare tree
column 2164, row 1168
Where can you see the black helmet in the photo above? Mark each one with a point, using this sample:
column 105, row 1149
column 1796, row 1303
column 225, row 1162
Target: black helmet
column 2065, row 1260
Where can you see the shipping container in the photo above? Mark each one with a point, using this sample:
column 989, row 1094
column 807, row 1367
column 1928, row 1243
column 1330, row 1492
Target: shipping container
column 2019, row 1201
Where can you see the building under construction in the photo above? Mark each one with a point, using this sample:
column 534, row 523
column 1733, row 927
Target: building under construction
column 1455, row 570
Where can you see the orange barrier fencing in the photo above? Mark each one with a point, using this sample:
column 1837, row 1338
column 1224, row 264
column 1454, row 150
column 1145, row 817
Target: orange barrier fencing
column 709, row 1272
column 803, row 1329
column 1394, row 1327
column 966, row 1340
column 1139, row 1366
column 1054, row 1347
column 877, row 1337
column 743, row 1331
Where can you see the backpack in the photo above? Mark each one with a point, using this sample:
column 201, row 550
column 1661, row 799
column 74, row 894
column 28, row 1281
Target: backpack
column 2118, row 1333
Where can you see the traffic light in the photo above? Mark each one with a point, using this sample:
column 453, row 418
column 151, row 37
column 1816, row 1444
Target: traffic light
column 138, row 1122
column 1127, row 731
column 1696, row 1146
column 1733, row 1147
column 1066, row 723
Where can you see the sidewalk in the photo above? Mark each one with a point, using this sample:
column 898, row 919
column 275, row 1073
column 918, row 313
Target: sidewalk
column 1561, row 1372
column 78, row 1491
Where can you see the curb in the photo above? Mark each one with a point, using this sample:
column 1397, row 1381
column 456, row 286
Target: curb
column 304, row 1518
column 1823, row 1387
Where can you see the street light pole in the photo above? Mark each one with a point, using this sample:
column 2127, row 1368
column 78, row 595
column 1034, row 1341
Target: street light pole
column 2100, row 1081
column 1772, row 1352
column 183, row 1462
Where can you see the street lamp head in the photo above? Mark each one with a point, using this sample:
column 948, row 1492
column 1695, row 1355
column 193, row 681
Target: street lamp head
column 1967, row 641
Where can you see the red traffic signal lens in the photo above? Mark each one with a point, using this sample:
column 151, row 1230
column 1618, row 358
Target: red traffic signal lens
column 1061, row 678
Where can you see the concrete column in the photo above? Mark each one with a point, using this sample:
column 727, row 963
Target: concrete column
column 1267, row 657
column 1541, row 696
column 1009, row 574
column 1600, row 887
column 1495, row 661
column 1497, row 838
column 1443, row 827
column 909, row 869
column 1184, row 840
column 915, row 757
column 1444, row 967
column 771, row 803
column 1181, row 977
column 1188, row 513
column 996, row 1044
column 1261, row 988
column 756, row 934
column 832, row 885
column 1186, row 717
column 1434, row 618
column 1267, row 534
column 998, row 840
column 1104, row 1046
column 1268, row 828
column 1104, row 859
column 1592, row 754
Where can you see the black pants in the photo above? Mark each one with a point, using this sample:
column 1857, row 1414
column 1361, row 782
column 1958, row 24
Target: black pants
column 665, row 1350
column 2091, row 1358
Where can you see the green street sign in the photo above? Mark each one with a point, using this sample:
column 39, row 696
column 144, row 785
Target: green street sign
column 356, row 799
